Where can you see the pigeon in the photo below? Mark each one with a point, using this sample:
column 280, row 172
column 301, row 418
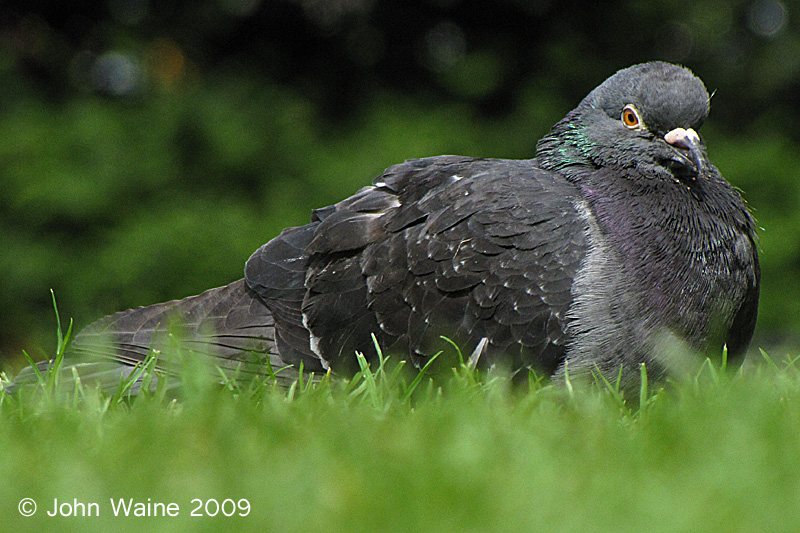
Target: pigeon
column 619, row 244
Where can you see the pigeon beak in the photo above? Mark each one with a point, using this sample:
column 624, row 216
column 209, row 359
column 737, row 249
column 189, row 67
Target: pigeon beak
column 689, row 140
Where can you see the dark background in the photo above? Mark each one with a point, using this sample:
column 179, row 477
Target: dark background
column 148, row 147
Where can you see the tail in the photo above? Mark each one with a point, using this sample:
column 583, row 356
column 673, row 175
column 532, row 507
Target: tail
column 228, row 328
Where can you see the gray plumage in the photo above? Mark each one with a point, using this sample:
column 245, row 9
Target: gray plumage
column 619, row 243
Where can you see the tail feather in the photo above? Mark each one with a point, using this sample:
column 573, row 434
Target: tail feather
column 107, row 375
column 228, row 328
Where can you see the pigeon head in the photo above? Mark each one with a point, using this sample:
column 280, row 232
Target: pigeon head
column 645, row 117
column 662, row 96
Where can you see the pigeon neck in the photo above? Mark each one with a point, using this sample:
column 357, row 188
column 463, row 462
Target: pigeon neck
column 566, row 149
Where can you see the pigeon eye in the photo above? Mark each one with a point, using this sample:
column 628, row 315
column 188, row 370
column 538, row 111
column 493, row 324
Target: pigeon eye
column 630, row 117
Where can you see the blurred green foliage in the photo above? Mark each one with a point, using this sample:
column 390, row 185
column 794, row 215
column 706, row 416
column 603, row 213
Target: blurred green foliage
column 146, row 149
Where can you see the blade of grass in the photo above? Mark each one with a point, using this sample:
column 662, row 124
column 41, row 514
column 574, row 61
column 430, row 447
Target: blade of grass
column 643, row 387
column 418, row 378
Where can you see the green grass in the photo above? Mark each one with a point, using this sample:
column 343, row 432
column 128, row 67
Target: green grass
column 387, row 450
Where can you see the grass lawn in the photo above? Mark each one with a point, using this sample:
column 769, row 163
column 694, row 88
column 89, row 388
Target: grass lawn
column 463, row 452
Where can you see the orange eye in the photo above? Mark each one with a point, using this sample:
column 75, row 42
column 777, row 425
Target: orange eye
column 630, row 117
